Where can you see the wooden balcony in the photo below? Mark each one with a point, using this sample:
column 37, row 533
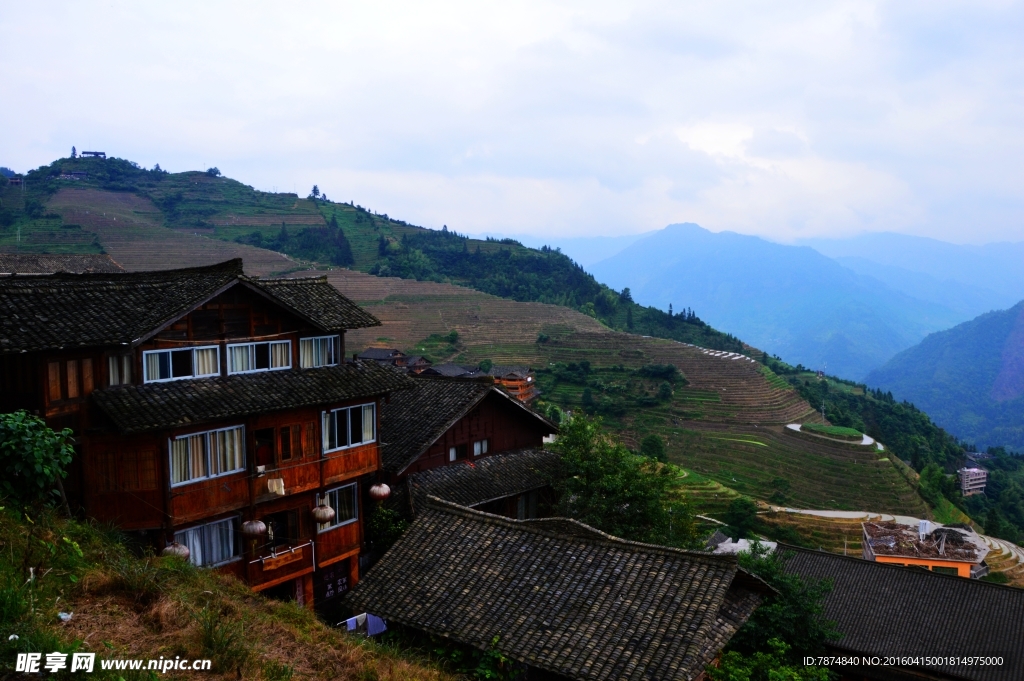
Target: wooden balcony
column 350, row 463
column 278, row 566
column 207, row 498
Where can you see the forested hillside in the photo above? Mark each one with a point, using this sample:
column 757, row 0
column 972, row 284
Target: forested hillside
column 970, row 379
column 318, row 231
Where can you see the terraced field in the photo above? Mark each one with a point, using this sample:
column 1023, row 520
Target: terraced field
column 766, row 464
column 129, row 228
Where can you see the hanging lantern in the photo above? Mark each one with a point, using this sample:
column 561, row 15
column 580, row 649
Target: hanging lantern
column 254, row 528
column 323, row 514
column 380, row 492
column 176, row 549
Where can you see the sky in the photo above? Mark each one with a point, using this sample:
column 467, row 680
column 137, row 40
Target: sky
column 784, row 120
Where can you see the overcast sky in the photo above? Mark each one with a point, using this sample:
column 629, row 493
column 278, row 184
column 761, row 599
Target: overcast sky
column 785, row 120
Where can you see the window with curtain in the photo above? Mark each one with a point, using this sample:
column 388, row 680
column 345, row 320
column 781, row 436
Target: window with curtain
column 479, row 447
column 318, row 352
column 269, row 356
column 344, row 501
column 173, row 365
column 210, row 544
column 119, row 370
column 206, row 455
column 348, row 426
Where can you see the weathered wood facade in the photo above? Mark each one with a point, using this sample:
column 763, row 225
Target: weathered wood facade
column 200, row 399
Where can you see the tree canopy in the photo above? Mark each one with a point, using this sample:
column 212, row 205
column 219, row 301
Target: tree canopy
column 601, row 483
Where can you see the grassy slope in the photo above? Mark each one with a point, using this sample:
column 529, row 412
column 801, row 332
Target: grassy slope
column 127, row 607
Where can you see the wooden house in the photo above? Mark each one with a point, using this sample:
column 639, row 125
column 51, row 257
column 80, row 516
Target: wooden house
column 207, row 405
column 447, row 421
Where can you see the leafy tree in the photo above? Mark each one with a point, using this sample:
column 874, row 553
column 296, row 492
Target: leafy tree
column 603, row 484
column 740, row 518
column 486, row 365
column 587, row 398
column 653, row 447
column 794, row 614
column 315, row 192
column 213, row 172
column 994, row 526
column 665, row 391
column 34, row 458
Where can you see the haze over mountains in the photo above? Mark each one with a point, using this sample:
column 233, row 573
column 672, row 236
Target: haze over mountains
column 850, row 313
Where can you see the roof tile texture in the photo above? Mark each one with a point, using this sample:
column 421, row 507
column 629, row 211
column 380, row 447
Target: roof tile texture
column 174, row 404
column 588, row 606
column 493, row 477
column 119, row 308
column 892, row 610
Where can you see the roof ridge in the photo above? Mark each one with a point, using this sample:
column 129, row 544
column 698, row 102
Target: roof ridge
column 232, row 266
column 594, row 535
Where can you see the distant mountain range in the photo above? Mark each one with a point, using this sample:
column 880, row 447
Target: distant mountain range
column 970, row 379
column 848, row 313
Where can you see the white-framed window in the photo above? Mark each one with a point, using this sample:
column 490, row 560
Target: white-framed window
column 244, row 358
column 210, row 544
column 199, row 456
column 479, row 447
column 349, row 426
column 174, row 365
column 319, row 351
column 119, row 370
column 345, row 502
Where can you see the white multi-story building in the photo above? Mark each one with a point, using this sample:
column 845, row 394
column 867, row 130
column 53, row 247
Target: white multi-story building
column 972, row 480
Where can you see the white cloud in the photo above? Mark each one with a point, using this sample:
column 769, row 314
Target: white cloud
column 571, row 118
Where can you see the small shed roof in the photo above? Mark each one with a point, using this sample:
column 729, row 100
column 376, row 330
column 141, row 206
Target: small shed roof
column 893, row 610
column 174, row 404
column 584, row 605
column 472, row 483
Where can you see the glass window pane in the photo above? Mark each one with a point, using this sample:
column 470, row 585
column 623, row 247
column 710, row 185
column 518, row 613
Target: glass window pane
column 238, row 359
column 306, row 353
column 179, row 460
column 261, row 355
column 369, row 423
column 355, row 425
column 280, row 355
column 157, row 366
column 114, row 370
column 181, row 363
column 197, row 455
column 206, row 362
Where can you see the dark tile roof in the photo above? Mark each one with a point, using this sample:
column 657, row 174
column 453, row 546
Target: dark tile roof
column 500, row 371
column 122, row 308
column 173, row 404
column 415, row 419
column 380, row 353
column 481, row 480
column 450, row 371
column 893, row 610
column 588, row 606
column 24, row 263
column 319, row 302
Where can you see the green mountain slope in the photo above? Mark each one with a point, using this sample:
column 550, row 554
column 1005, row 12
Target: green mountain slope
column 328, row 234
column 970, row 378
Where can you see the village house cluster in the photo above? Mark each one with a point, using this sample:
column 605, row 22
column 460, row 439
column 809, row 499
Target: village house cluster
column 219, row 417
